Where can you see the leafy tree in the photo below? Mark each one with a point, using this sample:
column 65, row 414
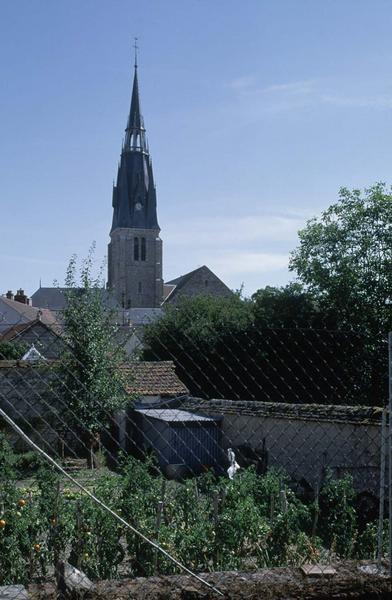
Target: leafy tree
column 344, row 260
column 289, row 306
column 200, row 334
column 12, row 350
column 93, row 386
column 259, row 349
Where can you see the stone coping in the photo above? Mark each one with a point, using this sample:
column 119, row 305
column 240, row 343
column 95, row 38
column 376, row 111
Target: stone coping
column 281, row 410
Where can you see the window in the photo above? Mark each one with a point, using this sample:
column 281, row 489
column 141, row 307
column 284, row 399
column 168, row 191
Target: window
column 139, row 287
column 143, row 253
column 136, row 249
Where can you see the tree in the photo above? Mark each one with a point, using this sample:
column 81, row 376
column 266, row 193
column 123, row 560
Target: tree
column 92, row 383
column 344, row 260
column 200, row 334
column 288, row 306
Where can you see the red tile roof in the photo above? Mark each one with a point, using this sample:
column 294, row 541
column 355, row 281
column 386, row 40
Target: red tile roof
column 153, row 379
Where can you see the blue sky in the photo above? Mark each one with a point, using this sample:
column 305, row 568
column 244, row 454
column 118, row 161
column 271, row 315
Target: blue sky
column 257, row 112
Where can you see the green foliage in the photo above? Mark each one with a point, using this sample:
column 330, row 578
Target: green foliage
column 344, row 258
column 203, row 319
column 7, row 459
column 338, row 519
column 92, row 383
column 12, row 350
column 289, row 306
column 209, row 523
column 95, row 542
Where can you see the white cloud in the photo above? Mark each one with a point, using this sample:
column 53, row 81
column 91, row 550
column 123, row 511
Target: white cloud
column 249, row 262
column 243, row 83
column 231, row 231
column 381, row 101
column 292, row 95
column 293, row 87
column 31, row 260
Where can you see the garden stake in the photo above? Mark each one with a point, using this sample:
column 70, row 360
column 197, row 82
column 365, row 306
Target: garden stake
column 316, row 511
column 390, row 451
column 283, row 501
column 48, row 458
column 272, row 507
column 157, row 527
column 382, row 491
column 216, row 506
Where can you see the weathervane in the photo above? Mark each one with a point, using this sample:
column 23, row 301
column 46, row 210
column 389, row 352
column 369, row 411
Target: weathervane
column 136, row 47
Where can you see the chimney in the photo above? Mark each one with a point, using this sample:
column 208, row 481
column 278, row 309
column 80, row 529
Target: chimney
column 21, row 297
column 9, row 295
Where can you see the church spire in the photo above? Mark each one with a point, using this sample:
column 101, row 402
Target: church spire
column 134, row 196
column 135, row 133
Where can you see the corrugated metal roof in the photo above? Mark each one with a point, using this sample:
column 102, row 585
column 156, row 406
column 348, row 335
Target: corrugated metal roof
column 174, row 414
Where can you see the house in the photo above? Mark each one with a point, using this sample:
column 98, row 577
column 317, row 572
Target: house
column 30, row 391
column 45, row 337
column 16, row 310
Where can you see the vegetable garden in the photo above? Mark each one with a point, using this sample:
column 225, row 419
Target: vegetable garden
column 211, row 523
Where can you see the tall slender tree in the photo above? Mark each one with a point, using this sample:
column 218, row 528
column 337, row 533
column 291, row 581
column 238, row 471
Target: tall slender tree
column 92, row 383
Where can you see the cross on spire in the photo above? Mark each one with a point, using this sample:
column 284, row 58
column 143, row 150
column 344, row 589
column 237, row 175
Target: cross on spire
column 136, row 48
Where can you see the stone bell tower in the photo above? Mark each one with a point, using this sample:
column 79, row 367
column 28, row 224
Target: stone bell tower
column 135, row 248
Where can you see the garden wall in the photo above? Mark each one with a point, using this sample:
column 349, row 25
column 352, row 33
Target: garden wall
column 304, row 439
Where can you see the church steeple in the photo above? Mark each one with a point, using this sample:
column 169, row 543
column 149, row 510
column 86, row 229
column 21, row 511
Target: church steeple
column 134, row 195
column 135, row 248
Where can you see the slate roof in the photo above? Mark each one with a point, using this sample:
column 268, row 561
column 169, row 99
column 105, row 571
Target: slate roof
column 142, row 316
column 155, row 378
column 134, row 195
column 200, row 273
column 29, row 313
column 174, row 415
column 180, row 281
column 280, row 410
column 54, row 298
column 17, row 330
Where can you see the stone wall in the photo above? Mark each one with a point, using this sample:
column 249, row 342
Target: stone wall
column 304, row 440
column 30, row 394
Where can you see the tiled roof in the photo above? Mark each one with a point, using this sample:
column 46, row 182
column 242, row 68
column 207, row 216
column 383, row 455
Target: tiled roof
column 281, row 410
column 153, row 379
column 142, row 378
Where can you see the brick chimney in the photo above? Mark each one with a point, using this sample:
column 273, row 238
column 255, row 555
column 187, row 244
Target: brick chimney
column 21, row 297
column 9, row 295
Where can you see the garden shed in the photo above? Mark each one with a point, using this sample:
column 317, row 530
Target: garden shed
column 180, row 440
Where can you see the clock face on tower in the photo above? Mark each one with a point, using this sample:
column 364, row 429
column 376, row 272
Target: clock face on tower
column 138, row 206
